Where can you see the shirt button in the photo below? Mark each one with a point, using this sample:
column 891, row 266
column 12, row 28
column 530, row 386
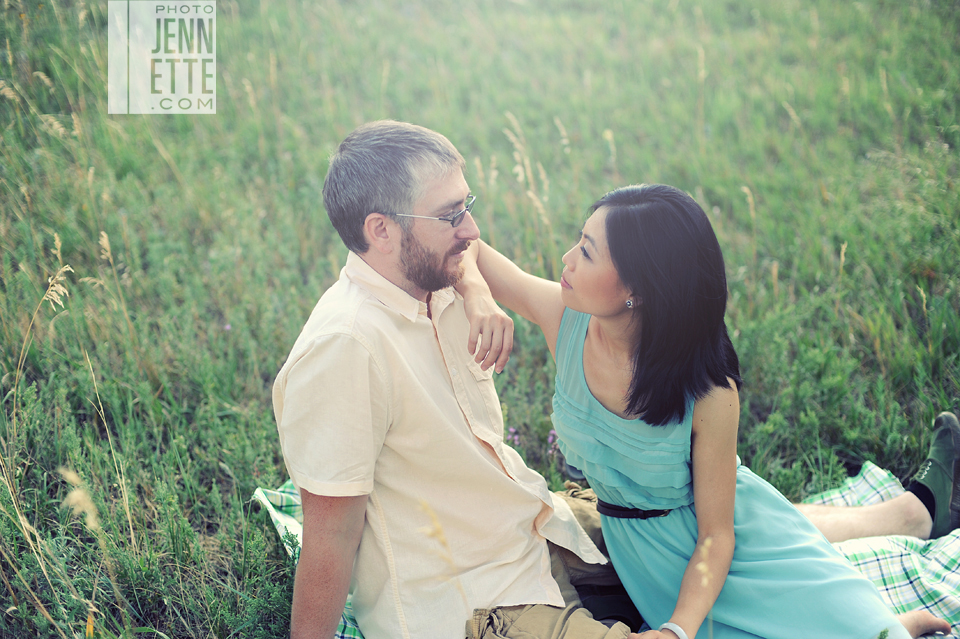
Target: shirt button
column 453, row 369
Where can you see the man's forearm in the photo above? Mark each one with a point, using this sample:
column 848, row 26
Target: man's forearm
column 332, row 527
column 319, row 595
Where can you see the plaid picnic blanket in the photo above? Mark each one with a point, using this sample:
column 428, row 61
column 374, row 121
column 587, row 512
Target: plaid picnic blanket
column 909, row 572
column 283, row 504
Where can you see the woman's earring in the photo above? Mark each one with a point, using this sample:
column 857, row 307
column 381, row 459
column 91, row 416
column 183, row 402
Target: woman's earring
column 629, row 303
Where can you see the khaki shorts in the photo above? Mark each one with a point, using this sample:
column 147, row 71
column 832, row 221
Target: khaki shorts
column 550, row 622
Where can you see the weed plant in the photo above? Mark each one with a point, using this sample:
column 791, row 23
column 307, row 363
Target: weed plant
column 154, row 271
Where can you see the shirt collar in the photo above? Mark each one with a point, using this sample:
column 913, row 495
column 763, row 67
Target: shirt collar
column 388, row 293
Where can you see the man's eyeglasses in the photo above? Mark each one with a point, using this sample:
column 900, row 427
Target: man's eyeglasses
column 453, row 218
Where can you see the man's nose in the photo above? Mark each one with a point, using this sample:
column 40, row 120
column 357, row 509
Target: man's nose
column 468, row 229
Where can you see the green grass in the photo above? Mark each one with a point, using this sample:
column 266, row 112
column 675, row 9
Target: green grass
column 821, row 138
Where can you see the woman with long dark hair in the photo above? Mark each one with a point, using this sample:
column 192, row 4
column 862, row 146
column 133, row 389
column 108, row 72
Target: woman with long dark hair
column 647, row 406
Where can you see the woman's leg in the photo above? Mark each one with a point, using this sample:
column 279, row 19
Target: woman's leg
column 902, row 515
column 929, row 508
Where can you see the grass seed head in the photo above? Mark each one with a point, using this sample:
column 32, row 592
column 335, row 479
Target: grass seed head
column 53, row 125
column 43, row 78
column 56, row 291
column 78, row 500
column 9, row 93
column 105, row 247
column 69, row 476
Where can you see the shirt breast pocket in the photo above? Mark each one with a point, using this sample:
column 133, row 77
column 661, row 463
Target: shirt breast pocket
column 478, row 373
column 485, row 404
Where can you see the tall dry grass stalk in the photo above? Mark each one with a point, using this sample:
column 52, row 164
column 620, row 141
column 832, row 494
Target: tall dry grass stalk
column 810, row 149
column 564, row 138
column 80, row 503
column 753, row 221
column 701, row 98
column 118, row 468
column 107, row 254
column 157, row 140
column 54, row 294
column 435, row 531
column 843, row 259
column 78, row 499
column 488, row 181
column 537, row 191
column 612, row 149
column 143, row 362
column 26, row 585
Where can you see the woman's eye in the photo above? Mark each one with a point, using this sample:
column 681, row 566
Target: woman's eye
column 583, row 250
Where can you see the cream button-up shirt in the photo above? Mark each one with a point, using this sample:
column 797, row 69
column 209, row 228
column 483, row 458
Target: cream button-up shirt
column 377, row 398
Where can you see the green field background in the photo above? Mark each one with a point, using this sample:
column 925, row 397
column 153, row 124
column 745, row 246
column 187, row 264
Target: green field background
column 820, row 137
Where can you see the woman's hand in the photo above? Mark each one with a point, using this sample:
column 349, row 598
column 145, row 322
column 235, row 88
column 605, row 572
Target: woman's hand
column 654, row 634
column 491, row 332
column 488, row 276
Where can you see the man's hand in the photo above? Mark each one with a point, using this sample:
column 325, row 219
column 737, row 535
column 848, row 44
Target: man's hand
column 491, row 332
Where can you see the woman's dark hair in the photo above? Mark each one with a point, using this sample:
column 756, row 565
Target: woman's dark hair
column 667, row 254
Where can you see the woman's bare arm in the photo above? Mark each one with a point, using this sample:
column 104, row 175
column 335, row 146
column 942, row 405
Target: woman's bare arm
column 713, row 454
column 533, row 298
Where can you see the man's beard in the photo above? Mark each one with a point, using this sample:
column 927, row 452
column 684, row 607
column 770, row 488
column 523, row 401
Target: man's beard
column 425, row 269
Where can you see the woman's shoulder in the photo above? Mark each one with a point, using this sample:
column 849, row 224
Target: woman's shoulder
column 572, row 319
column 720, row 405
column 728, row 394
column 571, row 331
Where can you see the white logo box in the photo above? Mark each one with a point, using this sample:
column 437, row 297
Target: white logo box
column 162, row 57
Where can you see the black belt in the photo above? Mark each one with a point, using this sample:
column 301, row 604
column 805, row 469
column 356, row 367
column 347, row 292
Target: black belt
column 611, row 510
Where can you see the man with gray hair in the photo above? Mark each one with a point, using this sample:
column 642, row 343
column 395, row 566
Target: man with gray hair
column 393, row 433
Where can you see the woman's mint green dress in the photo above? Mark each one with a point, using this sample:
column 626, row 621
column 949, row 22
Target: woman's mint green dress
column 786, row 580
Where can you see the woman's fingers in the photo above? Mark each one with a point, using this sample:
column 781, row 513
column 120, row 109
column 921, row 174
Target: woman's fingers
column 495, row 342
column 490, row 339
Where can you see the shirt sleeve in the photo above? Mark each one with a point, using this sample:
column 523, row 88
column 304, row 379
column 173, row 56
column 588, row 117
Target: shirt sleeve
column 332, row 411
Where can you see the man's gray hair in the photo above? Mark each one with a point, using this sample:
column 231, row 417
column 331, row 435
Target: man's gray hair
column 383, row 167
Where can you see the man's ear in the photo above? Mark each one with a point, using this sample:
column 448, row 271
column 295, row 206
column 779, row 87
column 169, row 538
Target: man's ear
column 382, row 233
